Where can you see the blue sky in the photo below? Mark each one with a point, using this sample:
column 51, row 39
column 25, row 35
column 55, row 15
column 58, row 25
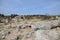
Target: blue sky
column 23, row 7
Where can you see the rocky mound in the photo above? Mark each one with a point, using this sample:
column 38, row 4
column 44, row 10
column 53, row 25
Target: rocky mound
column 40, row 30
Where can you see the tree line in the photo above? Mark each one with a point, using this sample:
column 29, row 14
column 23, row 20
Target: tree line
column 10, row 16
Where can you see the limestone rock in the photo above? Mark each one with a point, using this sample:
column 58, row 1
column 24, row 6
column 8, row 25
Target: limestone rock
column 47, row 35
column 15, row 37
column 43, row 25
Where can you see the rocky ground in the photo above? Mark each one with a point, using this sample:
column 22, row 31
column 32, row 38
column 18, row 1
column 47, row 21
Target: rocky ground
column 36, row 30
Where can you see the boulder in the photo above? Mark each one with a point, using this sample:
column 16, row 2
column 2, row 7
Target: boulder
column 14, row 37
column 47, row 35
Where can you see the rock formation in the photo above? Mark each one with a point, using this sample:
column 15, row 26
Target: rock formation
column 39, row 30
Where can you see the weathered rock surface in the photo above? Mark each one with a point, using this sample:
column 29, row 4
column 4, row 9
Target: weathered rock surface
column 47, row 35
column 45, row 25
column 40, row 30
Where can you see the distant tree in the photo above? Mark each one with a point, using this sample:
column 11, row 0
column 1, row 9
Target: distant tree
column 1, row 15
column 13, row 15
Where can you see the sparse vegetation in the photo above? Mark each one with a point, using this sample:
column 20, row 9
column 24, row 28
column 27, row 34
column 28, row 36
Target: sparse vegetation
column 28, row 17
column 2, row 17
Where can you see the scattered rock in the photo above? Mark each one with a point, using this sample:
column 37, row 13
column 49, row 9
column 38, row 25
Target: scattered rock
column 42, row 30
